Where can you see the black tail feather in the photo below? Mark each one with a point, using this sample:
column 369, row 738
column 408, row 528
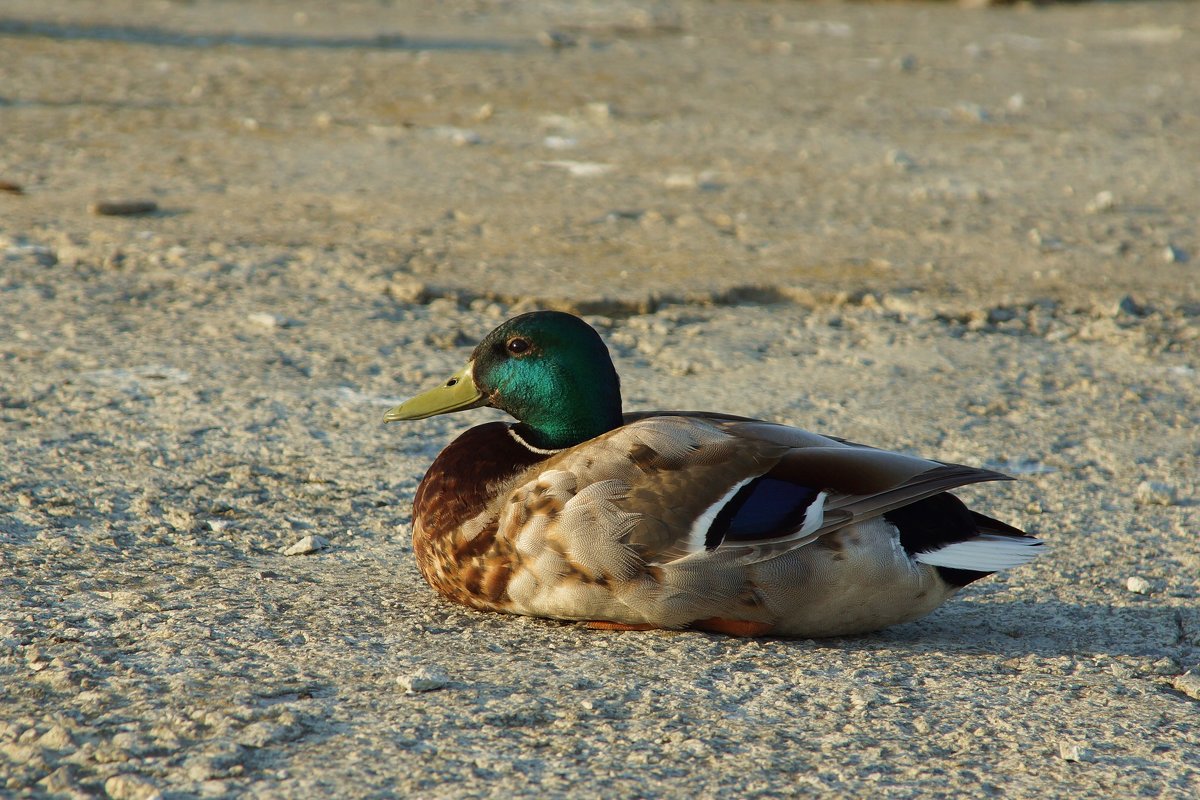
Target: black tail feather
column 941, row 520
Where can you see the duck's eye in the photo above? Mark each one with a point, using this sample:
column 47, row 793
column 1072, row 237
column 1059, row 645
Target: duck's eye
column 518, row 345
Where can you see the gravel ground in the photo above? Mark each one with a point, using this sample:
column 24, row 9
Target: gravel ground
column 969, row 234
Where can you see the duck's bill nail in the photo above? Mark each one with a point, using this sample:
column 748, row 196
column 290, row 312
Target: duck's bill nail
column 456, row 394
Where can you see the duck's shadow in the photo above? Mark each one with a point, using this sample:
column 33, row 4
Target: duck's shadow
column 977, row 626
column 1047, row 628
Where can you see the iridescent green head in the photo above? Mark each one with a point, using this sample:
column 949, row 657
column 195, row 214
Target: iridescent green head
column 548, row 369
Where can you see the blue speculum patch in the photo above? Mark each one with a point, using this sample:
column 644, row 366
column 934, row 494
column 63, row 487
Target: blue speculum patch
column 763, row 508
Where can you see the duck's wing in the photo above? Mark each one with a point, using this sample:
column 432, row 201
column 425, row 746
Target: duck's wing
column 666, row 488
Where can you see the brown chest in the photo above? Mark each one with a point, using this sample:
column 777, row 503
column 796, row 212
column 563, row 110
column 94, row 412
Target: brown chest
column 455, row 538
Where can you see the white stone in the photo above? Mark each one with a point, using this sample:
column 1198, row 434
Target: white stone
column 423, row 679
column 580, row 169
column 309, row 544
column 131, row 787
column 1155, row 493
column 1175, row 255
column 1103, row 201
column 265, row 320
column 1137, row 584
column 1189, row 684
column 1071, row 751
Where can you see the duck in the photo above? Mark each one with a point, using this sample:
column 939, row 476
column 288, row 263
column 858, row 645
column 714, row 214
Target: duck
column 580, row 511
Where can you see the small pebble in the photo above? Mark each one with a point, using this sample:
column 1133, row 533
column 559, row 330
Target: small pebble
column 680, row 180
column 61, row 780
column 972, row 112
column 41, row 254
column 423, row 679
column 1137, row 584
column 459, row 136
column 309, row 544
column 555, row 40
column 1116, row 248
column 1130, row 305
column 827, row 28
column 600, row 111
column 11, row 188
column 1103, row 201
column 404, row 289
column 1189, row 684
column 901, row 160
column 266, row 320
column 1165, row 666
column 1120, row 671
column 626, row 214
column 388, row 133
column 57, row 738
column 1044, row 240
column 217, row 525
column 131, row 787
column 1071, row 751
column 463, row 138
column 123, row 208
column 1155, row 493
column 864, row 697
column 1175, row 255
column 580, row 169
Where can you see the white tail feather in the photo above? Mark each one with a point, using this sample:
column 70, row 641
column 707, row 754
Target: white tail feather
column 987, row 552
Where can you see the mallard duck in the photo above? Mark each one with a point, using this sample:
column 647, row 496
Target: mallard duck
column 679, row 519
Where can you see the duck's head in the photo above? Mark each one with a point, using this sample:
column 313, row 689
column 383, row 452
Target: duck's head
column 548, row 369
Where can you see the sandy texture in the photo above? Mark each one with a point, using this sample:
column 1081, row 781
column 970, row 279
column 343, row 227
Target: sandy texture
column 967, row 234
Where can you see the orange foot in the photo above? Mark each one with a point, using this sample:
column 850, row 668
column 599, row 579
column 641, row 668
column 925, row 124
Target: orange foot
column 608, row 625
column 733, row 627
